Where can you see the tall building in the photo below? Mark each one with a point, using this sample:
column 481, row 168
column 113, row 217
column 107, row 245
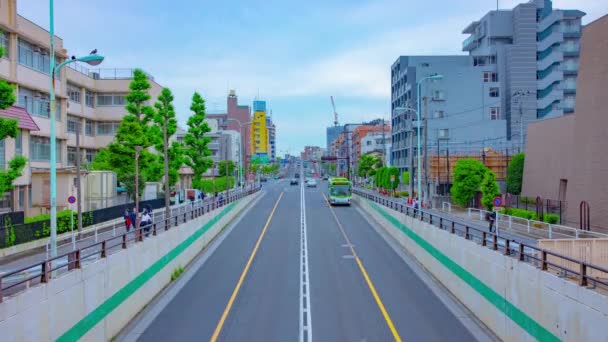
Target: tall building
column 368, row 138
column 272, row 132
column 461, row 110
column 236, row 112
column 89, row 101
column 332, row 134
column 259, row 132
column 533, row 50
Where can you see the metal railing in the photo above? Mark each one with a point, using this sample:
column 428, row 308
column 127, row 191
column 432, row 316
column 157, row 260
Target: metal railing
column 544, row 259
column 43, row 272
column 105, row 73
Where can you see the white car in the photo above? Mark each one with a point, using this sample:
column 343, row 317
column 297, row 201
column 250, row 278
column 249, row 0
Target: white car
column 311, row 183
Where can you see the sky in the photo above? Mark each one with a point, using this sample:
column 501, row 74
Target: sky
column 294, row 55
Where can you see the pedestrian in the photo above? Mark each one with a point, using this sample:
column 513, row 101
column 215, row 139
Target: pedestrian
column 133, row 217
column 146, row 222
column 415, row 204
column 491, row 217
column 127, row 219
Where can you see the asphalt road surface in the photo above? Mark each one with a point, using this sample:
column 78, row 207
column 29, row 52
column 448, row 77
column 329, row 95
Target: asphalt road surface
column 330, row 277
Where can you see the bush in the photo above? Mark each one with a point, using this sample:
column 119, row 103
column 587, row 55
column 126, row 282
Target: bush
column 404, row 194
column 515, row 174
column 368, row 186
column 176, row 273
column 63, row 220
column 551, row 218
column 528, row 200
column 521, row 213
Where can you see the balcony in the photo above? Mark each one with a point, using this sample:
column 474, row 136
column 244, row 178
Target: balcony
column 470, row 43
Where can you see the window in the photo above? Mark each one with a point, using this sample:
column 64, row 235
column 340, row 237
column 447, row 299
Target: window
column 443, row 133
column 489, row 76
column 107, row 128
column 494, row 92
column 21, row 199
column 29, row 196
column 494, row 113
column 19, row 143
column 72, row 155
column 438, row 95
column 89, row 127
column 5, row 43
column 89, row 98
column 40, row 149
column 369, row 143
column 33, row 56
column 74, row 93
column 73, row 124
column 110, row 99
column 439, row 114
column 90, row 155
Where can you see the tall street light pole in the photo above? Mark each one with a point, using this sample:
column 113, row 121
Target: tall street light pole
column 418, row 105
column 92, row 59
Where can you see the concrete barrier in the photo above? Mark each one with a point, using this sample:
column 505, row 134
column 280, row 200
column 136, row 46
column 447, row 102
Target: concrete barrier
column 515, row 300
column 94, row 303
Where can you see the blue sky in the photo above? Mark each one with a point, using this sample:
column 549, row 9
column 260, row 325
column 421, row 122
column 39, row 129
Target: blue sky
column 294, row 54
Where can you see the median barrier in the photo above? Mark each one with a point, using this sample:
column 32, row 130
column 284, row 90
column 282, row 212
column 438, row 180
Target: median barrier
column 95, row 301
column 517, row 300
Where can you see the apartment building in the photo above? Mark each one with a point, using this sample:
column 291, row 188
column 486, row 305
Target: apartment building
column 89, row 101
column 259, row 132
column 367, row 138
column 272, row 137
column 331, row 135
column 533, row 49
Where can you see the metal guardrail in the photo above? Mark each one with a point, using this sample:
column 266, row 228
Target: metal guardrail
column 544, row 259
column 43, row 272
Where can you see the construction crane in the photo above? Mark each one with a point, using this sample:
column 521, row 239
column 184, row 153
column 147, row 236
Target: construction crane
column 335, row 113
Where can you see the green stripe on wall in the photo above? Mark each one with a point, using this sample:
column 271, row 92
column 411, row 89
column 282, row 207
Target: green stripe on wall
column 89, row 321
column 526, row 322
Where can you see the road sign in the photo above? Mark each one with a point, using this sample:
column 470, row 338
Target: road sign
column 497, row 201
column 71, row 199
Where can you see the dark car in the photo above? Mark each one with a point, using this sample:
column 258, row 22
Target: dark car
column 297, row 175
column 293, row 181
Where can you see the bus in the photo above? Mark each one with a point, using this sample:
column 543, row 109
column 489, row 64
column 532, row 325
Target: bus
column 340, row 191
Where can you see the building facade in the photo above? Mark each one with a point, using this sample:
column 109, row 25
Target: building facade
column 461, row 110
column 259, row 131
column 89, row 102
column 566, row 156
column 369, row 137
column 272, row 136
column 332, row 134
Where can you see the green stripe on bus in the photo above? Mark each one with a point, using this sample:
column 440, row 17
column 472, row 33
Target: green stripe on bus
column 526, row 322
column 79, row 329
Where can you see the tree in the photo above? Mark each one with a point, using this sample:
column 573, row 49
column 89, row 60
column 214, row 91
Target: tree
column 164, row 118
column 515, row 174
column 225, row 168
column 489, row 189
column 405, row 178
column 468, row 175
column 196, row 150
column 394, row 172
column 366, row 165
column 134, row 131
column 9, row 128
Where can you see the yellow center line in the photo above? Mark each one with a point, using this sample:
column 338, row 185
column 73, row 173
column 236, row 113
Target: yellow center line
column 235, row 292
column 370, row 284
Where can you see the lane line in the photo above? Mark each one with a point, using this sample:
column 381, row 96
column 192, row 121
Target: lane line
column 305, row 312
column 220, row 324
column 370, row 284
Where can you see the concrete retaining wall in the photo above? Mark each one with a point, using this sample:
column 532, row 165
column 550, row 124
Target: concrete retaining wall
column 517, row 301
column 94, row 303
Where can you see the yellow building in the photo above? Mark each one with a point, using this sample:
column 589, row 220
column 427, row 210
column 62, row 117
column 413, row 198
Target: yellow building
column 259, row 132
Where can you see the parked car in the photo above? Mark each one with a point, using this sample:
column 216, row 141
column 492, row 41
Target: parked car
column 293, row 181
column 311, row 183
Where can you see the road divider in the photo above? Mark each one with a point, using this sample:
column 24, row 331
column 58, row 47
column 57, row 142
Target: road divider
column 305, row 310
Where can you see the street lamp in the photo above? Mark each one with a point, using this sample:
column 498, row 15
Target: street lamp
column 241, row 148
column 418, row 105
column 92, row 59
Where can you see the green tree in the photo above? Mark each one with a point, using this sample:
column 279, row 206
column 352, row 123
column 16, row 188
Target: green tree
column 489, row 189
column 515, row 174
column 394, row 172
column 468, row 175
column 405, row 178
column 196, row 150
column 226, row 168
column 134, row 131
column 165, row 127
column 9, row 128
column 366, row 164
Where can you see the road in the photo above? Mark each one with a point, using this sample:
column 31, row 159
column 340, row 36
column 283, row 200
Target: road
column 330, row 277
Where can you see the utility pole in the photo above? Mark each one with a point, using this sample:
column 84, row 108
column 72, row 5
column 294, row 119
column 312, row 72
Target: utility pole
column 137, row 152
column 426, row 155
column 78, row 191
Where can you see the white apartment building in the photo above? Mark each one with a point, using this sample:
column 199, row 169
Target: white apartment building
column 89, row 101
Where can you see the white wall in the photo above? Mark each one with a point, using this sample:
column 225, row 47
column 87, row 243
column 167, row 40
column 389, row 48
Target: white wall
column 567, row 311
column 47, row 311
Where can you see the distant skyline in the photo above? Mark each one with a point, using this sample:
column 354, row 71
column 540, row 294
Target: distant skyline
column 295, row 57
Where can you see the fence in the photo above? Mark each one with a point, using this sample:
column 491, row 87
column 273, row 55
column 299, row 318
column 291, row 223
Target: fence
column 548, row 206
column 16, row 234
column 42, row 272
column 584, row 272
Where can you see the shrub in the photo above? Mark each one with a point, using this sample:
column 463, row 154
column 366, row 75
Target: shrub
column 551, row 218
column 176, row 273
column 404, row 194
column 521, row 213
column 489, row 189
